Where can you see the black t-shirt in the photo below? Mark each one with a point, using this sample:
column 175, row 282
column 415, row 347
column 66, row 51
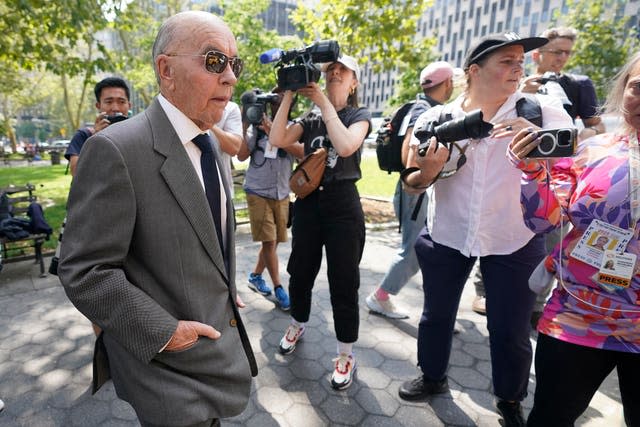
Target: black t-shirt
column 77, row 142
column 314, row 135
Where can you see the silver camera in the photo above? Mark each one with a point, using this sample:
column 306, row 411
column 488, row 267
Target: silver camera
column 555, row 143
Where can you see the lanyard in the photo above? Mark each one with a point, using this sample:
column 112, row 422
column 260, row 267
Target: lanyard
column 634, row 179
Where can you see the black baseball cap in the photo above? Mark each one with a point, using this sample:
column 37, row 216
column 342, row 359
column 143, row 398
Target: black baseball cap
column 489, row 44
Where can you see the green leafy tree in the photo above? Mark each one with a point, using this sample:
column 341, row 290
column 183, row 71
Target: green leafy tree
column 136, row 27
column 382, row 33
column 604, row 42
column 60, row 37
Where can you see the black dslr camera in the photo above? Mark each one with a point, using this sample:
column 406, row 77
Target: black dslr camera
column 118, row 117
column 555, row 143
column 254, row 105
column 296, row 67
column 469, row 126
column 547, row 77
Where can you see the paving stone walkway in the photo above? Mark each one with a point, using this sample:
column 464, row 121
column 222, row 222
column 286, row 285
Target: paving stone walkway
column 46, row 347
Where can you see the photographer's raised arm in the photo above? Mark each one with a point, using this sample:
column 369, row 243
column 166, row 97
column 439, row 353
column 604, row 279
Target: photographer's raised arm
column 346, row 141
column 282, row 134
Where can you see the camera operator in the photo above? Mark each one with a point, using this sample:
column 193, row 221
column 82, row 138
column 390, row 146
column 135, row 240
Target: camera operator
column 266, row 184
column 477, row 215
column 331, row 216
column 112, row 101
column 576, row 91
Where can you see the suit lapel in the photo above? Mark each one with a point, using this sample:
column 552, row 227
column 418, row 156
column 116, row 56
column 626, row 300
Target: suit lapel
column 183, row 182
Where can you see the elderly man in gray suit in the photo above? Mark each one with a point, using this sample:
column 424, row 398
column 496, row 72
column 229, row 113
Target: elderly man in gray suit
column 148, row 255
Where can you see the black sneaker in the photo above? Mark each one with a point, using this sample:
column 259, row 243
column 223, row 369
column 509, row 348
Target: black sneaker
column 512, row 415
column 419, row 388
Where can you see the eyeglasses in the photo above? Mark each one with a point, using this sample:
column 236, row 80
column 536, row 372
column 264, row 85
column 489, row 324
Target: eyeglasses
column 216, row 62
column 558, row 52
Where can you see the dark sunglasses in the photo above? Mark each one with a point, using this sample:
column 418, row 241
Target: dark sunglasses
column 216, row 62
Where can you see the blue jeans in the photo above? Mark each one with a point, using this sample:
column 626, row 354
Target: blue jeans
column 405, row 263
column 509, row 306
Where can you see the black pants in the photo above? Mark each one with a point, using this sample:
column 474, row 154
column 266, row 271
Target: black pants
column 568, row 375
column 331, row 217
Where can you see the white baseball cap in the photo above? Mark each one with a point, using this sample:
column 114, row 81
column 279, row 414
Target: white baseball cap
column 347, row 61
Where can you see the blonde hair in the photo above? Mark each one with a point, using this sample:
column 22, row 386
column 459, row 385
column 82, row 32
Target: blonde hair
column 614, row 104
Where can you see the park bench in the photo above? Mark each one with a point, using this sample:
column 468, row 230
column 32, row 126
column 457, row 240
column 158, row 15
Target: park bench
column 29, row 247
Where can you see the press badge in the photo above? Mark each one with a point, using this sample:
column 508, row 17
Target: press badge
column 270, row 151
column 616, row 270
column 599, row 237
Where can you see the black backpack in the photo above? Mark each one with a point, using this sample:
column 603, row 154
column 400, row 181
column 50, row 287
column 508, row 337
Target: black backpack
column 390, row 137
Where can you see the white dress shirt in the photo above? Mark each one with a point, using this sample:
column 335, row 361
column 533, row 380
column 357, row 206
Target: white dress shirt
column 187, row 130
column 477, row 210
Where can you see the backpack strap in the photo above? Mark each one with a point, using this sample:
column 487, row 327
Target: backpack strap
column 528, row 107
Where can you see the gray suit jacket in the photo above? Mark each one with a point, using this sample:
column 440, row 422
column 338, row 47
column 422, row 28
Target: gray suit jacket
column 140, row 252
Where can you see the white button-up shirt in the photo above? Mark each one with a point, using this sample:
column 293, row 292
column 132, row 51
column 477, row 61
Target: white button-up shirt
column 187, row 130
column 477, row 210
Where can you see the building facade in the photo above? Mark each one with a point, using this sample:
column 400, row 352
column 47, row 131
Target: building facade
column 458, row 23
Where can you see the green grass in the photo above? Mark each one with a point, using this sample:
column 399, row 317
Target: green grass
column 376, row 182
column 53, row 187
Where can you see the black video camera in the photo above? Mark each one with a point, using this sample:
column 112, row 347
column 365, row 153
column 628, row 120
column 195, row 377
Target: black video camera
column 547, row 77
column 254, row 105
column 469, row 126
column 555, row 143
column 297, row 68
column 118, row 117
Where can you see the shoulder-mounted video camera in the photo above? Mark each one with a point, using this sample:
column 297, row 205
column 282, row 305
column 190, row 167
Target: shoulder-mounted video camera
column 297, row 67
column 254, row 105
column 471, row 126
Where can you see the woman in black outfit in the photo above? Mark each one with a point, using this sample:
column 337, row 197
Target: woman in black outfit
column 332, row 215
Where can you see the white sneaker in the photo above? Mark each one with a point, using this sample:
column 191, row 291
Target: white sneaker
column 1, row 405
column 343, row 372
column 290, row 339
column 384, row 308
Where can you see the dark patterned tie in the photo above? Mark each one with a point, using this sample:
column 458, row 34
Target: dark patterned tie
column 211, row 181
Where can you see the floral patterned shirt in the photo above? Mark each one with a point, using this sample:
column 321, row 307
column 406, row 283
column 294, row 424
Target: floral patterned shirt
column 594, row 184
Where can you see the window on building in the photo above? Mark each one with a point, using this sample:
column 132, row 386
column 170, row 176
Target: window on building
column 484, row 31
column 486, row 7
column 499, row 27
column 492, row 23
column 502, row 3
column 463, row 24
